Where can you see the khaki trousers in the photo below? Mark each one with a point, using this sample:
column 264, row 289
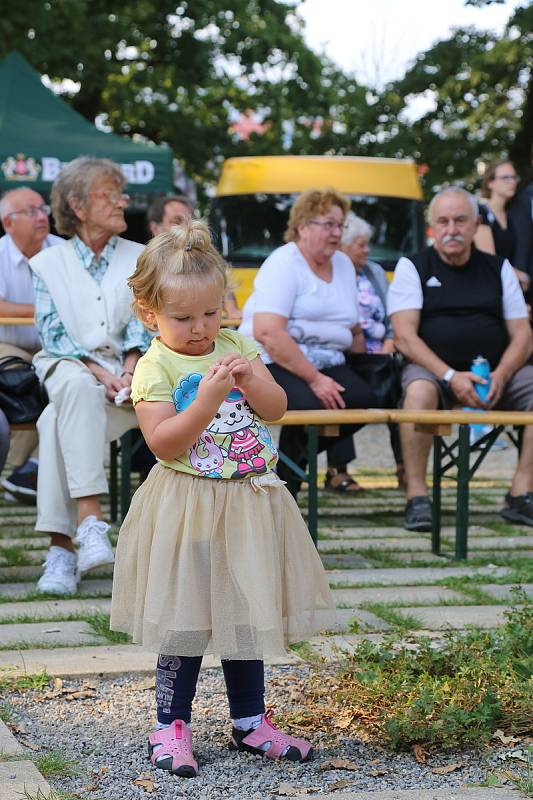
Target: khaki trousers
column 24, row 444
column 73, row 432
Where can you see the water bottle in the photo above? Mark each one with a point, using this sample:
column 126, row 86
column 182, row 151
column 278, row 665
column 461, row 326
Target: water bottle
column 480, row 366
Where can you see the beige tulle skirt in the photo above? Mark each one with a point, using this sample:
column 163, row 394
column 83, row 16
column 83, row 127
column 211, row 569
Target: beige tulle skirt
column 224, row 567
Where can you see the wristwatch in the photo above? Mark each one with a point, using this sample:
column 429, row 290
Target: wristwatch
column 447, row 377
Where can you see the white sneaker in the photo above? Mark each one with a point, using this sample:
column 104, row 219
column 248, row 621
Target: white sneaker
column 94, row 547
column 60, row 572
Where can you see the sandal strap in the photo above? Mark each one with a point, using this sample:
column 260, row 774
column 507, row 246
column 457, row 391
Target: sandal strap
column 268, row 732
column 176, row 741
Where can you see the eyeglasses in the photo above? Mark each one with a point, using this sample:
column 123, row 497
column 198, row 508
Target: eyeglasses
column 328, row 225
column 112, row 197
column 505, row 177
column 32, row 211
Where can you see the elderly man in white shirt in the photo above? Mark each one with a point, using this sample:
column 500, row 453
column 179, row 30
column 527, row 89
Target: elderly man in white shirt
column 25, row 218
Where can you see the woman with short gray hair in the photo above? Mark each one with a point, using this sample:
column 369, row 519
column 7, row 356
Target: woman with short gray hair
column 372, row 288
column 91, row 342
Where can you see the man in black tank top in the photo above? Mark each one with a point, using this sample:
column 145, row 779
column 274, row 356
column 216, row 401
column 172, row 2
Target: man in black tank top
column 449, row 304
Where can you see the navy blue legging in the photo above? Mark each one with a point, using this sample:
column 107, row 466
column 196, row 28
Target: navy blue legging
column 176, row 679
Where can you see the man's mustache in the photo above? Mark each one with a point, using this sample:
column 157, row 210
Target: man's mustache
column 453, row 237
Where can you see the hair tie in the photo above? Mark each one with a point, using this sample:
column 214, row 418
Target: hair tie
column 188, row 246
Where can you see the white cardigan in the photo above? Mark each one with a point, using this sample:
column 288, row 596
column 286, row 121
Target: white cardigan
column 94, row 314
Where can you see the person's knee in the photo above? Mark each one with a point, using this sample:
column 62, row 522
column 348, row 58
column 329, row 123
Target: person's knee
column 421, row 395
column 81, row 387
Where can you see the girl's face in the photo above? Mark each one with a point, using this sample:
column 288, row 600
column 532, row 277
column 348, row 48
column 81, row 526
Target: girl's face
column 189, row 322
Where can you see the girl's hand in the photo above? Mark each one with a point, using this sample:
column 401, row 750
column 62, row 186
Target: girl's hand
column 239, row 367
column 215, row 385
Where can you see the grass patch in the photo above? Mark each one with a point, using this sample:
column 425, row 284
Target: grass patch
column 504, row 528
column 23, row 683
column 51, row 795
column 99, row 621
column 522, row 778
column 15, row 556
column 6, row 712
column 401, row 622
column 56, row 764
column 452, row 695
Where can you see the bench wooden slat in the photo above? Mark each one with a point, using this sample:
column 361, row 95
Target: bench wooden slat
column 456, row 417
column 345, row 416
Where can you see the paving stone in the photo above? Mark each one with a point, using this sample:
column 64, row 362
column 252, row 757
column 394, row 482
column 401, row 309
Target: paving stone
column 504, row 592
column 15, row 573
column 366, row 620
column 345, row 561
column 20, row 779
column 105, row 660
column 400, row 594
column 502, row 543
column 332, row 647
column 64, row 633
column 8, row 744
column 457, row 617
column 349, row 532
column 33, row 542
column 394, row 543
column 398, row 576
column 87, row 586
column 52, row 608
column 424, row 794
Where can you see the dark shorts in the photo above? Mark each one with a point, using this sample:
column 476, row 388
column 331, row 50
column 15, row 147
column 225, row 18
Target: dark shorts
column 518, row 394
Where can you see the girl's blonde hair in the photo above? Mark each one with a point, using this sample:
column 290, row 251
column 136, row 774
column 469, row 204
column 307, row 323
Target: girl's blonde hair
column 180, row 258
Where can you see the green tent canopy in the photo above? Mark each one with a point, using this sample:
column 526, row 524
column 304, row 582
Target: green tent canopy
column 39, row 133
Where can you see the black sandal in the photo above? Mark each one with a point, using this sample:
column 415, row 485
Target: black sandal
column 346, row 485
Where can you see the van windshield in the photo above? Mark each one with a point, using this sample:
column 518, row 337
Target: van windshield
column 249, row 227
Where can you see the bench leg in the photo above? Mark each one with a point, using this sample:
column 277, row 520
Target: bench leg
column 437, row 466
column 312, row 478
column 113, row 481
column 463, row 478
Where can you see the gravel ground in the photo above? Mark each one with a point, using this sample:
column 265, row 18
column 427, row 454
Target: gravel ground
column 106, row 735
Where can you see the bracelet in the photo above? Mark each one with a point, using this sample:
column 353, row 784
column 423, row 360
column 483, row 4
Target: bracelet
column 127, row 372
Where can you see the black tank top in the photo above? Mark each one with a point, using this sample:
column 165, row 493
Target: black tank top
column 462, row 315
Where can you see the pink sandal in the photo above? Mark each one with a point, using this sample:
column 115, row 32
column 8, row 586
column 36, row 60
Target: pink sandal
column 175, row 754
column 251, row 741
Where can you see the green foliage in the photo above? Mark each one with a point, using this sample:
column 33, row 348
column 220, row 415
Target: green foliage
column 55, row 763
column 449, row 694
column 100, row 622
column 22, row 683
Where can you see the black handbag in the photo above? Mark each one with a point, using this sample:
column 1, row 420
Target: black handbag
column 382, row 372
column 22, row 399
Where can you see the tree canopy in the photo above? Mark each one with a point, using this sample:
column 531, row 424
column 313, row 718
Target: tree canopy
column 181, row 71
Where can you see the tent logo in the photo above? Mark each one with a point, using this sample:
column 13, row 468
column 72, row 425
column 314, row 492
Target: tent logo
column 20, row 168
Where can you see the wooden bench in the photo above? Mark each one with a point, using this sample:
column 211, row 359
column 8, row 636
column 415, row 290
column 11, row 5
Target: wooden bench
column 326, row 423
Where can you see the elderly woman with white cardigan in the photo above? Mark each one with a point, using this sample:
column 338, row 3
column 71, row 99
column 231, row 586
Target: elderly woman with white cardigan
column 90, row 344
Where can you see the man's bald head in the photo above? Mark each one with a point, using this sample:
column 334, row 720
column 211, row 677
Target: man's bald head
column 25, row 218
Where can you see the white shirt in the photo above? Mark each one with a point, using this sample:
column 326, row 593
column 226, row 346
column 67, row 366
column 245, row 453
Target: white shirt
column 405, row 291
column 320, row 315
column 16, row 286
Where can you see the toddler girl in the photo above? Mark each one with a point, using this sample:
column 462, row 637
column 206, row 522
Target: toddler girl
column 213, row 556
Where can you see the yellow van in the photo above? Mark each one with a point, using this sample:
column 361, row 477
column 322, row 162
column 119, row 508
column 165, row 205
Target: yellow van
column 253, row 197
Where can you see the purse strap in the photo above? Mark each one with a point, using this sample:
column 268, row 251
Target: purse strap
column 9, row 362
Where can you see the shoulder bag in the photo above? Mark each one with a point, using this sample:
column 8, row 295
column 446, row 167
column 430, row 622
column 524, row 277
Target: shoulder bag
column 22, row 399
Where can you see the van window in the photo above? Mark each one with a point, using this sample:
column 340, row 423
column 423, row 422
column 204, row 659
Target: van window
column 248, row 227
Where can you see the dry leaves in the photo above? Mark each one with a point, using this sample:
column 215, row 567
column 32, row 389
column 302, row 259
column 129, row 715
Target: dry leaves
column 420, row 753
column 288, row 790
column 145, row 781
column 338, row 763
column 500, row 735
column 448, row 768
column 339, row 784
column 58, row 690
column 343, row 720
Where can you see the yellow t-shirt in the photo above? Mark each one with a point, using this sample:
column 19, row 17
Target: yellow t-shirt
column 236, row 443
